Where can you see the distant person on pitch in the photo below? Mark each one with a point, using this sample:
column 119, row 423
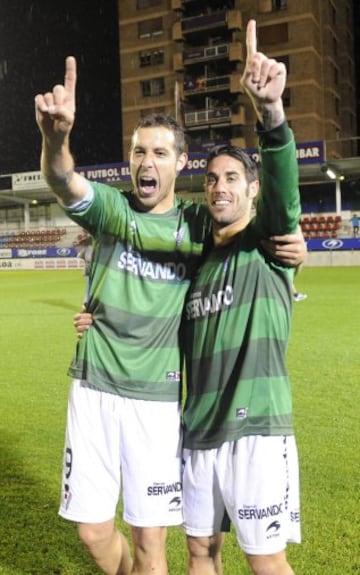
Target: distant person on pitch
column 355, row 222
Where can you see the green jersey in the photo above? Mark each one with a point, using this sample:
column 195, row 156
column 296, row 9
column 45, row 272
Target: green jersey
column 141, row 270
column 237, row 320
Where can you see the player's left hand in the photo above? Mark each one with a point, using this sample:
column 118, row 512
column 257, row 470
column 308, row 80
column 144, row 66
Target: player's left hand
column 289, row 249
column 82, row 322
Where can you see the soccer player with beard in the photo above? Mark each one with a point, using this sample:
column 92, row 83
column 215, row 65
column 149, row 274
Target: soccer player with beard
column 240, row 452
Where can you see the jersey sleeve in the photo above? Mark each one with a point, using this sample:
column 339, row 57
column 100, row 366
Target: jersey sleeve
column 278, row 206
column 103, row 213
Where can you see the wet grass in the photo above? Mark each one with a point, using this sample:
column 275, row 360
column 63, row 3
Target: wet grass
column 37, row 341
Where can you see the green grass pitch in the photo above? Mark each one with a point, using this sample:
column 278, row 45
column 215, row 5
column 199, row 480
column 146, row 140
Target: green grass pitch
column 37, row 342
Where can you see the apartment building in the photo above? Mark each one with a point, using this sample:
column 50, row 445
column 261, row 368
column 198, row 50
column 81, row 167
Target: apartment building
column 185, row 57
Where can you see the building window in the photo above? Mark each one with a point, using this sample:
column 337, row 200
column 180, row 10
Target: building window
column 149, row 28
column 151, row 57
column 153, row 87
column 142, row 4
column 158, row 57
column 144, row 59
column 279, row 4
column 271, row 5
column 275, row 34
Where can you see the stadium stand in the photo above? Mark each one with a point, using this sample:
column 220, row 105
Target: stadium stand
column 320, row 226
column 35, row 238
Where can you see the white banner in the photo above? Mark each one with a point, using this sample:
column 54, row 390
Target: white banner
column 5, row 253
column 41, row 264
column 28, row 181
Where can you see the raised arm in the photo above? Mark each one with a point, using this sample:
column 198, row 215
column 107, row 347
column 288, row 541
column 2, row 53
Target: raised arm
column 264, row 81
column 278, row 207
column 55, row 115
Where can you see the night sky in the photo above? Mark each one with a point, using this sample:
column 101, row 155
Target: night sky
column 35, row 38
column 357, row 60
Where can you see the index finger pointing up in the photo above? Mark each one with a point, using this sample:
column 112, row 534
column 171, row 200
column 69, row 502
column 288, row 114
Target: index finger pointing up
column 70, row 76
column 251, row 41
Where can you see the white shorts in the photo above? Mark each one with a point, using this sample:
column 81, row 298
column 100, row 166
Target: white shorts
column 115, row 443
column 253, row 481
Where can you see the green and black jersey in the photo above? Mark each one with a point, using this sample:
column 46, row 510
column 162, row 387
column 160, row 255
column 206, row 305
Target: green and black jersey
column 141, row 270
column 237, row 319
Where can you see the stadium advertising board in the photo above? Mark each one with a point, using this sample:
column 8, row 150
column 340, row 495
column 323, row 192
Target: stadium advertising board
column 307, row 152
column 333, row 244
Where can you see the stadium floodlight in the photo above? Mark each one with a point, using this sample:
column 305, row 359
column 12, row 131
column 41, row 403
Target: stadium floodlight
column 331, row 172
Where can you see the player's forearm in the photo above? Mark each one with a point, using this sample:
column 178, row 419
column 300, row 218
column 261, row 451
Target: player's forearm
column 57, row 166
column 270, row 115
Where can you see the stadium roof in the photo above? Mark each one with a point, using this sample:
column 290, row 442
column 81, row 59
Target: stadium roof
column 32, row 188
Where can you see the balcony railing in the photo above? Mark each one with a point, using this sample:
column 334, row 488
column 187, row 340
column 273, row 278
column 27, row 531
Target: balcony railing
column 205, row 52
column 206, row 84
column 210, row 116
column 204, row 21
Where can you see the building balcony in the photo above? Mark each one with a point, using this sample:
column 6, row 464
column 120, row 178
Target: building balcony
column 210, row 84
column 211, row 117
column 227, row 19
column 201, row 118
column 204, row 22
column 206, row 84
column 233, row 52
column 203, row 53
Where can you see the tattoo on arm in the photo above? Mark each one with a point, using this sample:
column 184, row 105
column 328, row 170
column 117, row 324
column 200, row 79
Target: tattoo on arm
column 271, row 118
column 60, row 182
column 267, row 119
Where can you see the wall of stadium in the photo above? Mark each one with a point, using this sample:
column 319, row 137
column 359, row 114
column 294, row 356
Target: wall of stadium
column 333, row 258
column 341, row 251
column 44, row 263
column 29, row 260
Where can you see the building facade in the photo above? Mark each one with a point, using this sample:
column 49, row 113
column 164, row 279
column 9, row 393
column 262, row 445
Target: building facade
column 185, row 58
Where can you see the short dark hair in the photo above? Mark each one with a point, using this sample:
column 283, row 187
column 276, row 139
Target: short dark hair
column 164, row 121
column 251, row 167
